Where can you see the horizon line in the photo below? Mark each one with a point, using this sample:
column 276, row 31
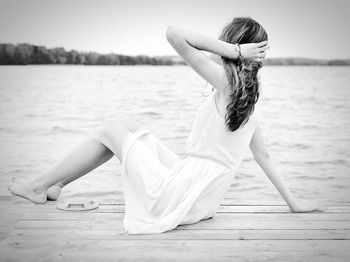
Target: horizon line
column 163, row 55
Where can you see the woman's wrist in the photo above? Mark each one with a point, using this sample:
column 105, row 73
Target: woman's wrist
column 238, row 52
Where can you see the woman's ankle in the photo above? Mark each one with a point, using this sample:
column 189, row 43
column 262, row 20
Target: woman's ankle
column 37, row 187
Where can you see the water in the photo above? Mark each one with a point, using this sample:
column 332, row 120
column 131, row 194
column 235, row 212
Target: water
column 47, row 110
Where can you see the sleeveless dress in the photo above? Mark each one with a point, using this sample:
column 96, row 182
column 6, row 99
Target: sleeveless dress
column 161, row 190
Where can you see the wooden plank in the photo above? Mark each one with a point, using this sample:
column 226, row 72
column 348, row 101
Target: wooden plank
column 178, row 245
column 276, row 209
column 159, row 254
column 236, row 216
column 240, row 202
column 50, row 208
column 218, row 222
column 240, row 233
column 226, row 201
column 236, row 233
column 230, row 234
column 12, row 210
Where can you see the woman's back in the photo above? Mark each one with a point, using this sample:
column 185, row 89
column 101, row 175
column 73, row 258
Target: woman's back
column 209, row 136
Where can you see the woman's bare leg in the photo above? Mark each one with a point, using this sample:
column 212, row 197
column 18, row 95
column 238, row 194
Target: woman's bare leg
column 79, row 161
column 54, row 191
column 101, row 155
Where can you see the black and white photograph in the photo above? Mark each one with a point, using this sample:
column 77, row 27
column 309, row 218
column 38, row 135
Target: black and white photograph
column 180, row 130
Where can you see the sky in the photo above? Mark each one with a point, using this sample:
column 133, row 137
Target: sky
column 296, row 28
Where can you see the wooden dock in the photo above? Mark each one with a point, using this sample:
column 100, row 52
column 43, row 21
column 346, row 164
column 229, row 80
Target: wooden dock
column 245, row 232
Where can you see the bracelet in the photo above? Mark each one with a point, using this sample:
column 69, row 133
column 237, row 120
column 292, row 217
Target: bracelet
column 239, row 53
column 238, row 50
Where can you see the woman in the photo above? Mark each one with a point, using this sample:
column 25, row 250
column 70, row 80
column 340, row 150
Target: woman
column 162, row 191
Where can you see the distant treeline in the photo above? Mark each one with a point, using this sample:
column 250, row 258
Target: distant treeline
column 26, row 54
column 306, row 61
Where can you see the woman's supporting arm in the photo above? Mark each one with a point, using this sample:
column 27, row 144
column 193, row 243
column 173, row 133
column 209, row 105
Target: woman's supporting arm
column 189, row 44
column 262, row 157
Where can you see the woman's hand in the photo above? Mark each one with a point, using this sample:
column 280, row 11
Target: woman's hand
column 254, row 51
column 301, row 206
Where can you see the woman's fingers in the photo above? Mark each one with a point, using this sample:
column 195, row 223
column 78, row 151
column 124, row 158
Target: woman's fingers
column 259, row 58
column 255, row 51
column 261, row 54
column 263, row 43
column 262, row 51
column 264, row 48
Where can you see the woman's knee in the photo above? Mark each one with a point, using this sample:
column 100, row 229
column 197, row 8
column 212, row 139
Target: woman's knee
column 129, row 123
column 111, row 133
column 111, row 127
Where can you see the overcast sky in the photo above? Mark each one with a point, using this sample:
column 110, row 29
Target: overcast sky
column 296, row 28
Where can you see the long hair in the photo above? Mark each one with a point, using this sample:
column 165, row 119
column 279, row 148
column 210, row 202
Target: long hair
column 242, row 75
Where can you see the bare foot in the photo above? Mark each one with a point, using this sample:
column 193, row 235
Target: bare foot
column 22, row 189
column 53, row 192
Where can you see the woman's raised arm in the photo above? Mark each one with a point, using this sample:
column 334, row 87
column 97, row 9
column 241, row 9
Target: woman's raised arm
column 188, row 45
column 262, row 157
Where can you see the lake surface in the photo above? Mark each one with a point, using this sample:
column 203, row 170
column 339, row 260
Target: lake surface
column 46, row 110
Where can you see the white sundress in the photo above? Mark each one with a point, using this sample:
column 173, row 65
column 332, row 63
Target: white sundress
column 161, row 190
